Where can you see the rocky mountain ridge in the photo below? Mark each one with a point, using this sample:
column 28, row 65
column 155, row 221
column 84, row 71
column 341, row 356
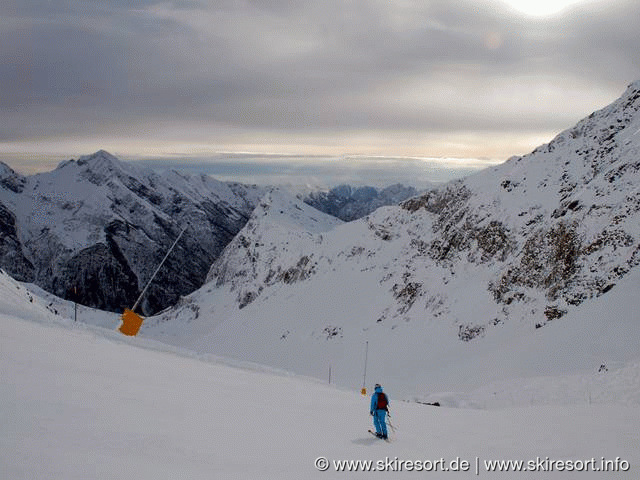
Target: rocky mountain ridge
column 94, row 229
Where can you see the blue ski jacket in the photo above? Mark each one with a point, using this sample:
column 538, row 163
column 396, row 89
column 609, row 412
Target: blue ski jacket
column 374, row 400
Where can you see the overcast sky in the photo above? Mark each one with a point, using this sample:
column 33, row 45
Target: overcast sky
column 434, row 78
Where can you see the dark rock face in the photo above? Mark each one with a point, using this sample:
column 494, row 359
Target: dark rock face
column 12, row 259
column 98, row 276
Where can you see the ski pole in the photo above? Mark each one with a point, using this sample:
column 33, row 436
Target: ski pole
column 393, row 429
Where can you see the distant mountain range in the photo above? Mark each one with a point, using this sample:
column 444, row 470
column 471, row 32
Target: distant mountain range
column 350, row 203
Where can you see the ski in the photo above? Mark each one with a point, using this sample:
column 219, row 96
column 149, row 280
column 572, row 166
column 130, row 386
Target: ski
column 376, row 435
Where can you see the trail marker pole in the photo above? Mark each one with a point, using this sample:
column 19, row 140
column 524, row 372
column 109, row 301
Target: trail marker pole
column 364, row 377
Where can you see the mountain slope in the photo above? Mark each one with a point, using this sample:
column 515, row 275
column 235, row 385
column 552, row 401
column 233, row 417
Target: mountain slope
column 81, row 402
column 96, row 228
column 281, row 227
column 447, row 285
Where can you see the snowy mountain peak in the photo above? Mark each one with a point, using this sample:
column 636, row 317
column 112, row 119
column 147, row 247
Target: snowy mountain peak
column 634, row 85
column 563, row 218
column 5, row 170
column 287, row 211
column 10, row 179
column 101, row 167
column 101, row 157
column 590, row 145
column 97, row 168
column 632, row 90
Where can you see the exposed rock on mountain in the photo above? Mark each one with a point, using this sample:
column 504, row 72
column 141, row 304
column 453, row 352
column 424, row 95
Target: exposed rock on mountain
column 11, row 255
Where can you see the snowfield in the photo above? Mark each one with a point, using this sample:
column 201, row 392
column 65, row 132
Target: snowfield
column 84, row 402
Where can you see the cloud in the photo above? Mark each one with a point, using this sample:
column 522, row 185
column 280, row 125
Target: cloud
column 321, row 170
column 250, row 70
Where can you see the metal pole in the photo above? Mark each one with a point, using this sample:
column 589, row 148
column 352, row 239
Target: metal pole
column 144, row 290
column 366, row 355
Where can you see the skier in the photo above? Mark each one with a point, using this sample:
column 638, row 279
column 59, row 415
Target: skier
column 379, row 409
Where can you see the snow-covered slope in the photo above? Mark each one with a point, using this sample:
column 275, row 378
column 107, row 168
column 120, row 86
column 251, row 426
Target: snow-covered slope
column 19, row 301
column 95, row 229
column 81, row 402
column 281, row 228
column 527, row 269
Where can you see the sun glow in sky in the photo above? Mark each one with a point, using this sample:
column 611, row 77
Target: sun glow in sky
column 541, row 8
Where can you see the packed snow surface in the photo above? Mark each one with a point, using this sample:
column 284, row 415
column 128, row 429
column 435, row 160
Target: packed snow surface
column 81, row 401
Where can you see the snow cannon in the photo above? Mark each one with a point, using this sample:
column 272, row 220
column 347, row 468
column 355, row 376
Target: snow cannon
column 131, row 323
column 363, row 392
